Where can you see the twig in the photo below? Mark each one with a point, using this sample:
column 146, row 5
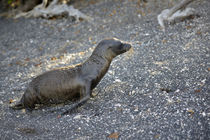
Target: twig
column 179, row 6
column 53, row 9
column 178, row 11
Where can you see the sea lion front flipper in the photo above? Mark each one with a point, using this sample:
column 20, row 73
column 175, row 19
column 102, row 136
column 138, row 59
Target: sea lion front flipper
column 84, row 96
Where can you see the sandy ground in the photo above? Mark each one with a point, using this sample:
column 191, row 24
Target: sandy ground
column 159, row 91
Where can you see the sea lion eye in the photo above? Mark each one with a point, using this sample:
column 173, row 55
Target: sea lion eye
column 120, row 46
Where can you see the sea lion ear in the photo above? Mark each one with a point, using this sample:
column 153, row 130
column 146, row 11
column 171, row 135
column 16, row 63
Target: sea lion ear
column 117, row 44
column 103, row 43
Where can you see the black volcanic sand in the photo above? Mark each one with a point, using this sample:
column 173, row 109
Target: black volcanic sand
column 159, row 91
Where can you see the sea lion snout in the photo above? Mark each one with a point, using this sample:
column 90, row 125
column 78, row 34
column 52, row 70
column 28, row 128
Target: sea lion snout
column 110, row 48
column 127, row 46
column 124, row 47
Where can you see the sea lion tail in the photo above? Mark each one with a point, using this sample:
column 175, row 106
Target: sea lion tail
column 17, row 106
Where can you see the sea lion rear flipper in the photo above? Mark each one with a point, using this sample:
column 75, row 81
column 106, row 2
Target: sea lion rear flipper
column 17, row 106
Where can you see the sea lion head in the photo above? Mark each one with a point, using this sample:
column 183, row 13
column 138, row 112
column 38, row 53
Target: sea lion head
column 110, row 48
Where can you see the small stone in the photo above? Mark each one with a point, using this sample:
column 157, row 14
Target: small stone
column 118, row 80
column 178, row 90
column 132, row 92
column 190, row 111
column 111, row 72
column 78, row 117
column 169, row 101
column 117, row 105
column 157, row 136
column 59, row 116
column 132, row 117
column 23, row 110
column 136, row 109
column 203, row 114
column 114, row 135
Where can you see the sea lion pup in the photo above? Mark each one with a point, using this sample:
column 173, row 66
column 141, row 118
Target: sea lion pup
column 60, row 85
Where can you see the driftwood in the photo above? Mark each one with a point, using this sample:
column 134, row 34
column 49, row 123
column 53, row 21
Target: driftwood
column 176, row 12
column 53, row 9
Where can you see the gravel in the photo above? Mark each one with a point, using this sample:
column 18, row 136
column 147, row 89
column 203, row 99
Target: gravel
column 160, row 90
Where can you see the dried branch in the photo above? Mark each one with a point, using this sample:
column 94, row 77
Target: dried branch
column 53, row 9
column 178, row 11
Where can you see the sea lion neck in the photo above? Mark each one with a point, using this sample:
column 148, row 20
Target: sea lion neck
column 94, row 69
